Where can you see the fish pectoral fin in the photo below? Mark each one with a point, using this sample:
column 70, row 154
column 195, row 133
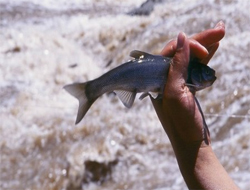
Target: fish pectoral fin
column 126, row 97
column 140, row 54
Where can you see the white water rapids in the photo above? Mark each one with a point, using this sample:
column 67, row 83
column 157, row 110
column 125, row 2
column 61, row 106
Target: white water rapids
column 47, row 44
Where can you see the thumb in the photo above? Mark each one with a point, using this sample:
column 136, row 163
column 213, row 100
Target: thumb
column 179, row 67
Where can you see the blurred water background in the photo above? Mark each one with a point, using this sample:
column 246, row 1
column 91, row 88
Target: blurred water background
column 47, row 44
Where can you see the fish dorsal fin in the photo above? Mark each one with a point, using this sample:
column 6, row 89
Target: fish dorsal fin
column 126, row 97
column 140, row 54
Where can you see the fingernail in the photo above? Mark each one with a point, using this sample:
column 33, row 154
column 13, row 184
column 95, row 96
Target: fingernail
column 181, row 40
column 219, row 25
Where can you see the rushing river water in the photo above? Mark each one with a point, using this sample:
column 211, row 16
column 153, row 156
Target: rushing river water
column 47, row 44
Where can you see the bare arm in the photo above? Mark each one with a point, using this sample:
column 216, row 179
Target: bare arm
column 181, row 117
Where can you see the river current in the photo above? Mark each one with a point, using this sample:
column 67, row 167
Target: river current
column 47, row 44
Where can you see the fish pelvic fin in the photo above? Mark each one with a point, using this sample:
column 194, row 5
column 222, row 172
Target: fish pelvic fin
column 126, row 97
column 140, row 54
column 78, row 91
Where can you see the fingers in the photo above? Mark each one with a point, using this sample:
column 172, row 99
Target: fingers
column 196, row 49
column 199, row 42
column 210, row 36
column 212, row 49
column 181, row 58
column 178, row 70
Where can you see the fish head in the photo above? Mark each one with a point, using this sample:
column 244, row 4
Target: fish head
column 201, row 76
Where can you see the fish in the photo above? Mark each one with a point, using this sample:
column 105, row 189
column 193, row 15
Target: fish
column 145, row 73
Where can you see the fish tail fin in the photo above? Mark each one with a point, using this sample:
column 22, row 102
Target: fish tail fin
column 78, row 91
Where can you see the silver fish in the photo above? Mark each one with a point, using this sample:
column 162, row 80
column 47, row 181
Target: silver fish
column 145, row 73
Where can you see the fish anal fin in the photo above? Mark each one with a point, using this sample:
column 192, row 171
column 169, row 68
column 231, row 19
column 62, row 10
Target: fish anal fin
column 126, row 97
column 140, row 54
column 152, row 94
column 144, row 95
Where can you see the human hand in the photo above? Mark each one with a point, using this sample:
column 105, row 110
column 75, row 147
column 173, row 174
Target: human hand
column 181, row 118
column 177, row 110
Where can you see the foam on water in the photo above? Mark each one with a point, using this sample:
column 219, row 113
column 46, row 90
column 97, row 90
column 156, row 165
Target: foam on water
column 56, row 43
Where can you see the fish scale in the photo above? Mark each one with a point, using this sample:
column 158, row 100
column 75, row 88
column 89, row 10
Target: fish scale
column 145, row 73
